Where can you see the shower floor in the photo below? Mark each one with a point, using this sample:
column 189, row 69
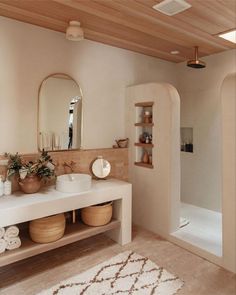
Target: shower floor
column 204, row 229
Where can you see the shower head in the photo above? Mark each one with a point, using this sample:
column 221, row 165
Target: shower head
column 196, row 63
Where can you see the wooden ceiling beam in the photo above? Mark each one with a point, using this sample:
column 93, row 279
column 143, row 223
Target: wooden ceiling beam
column 132, row 24
column 138, row 38
column 125, row 44
column 225, row 17
column 176, row 22
column 98, row 24
column 105, row 10
column 32, row 18
column 139, row 25
column 94, row 19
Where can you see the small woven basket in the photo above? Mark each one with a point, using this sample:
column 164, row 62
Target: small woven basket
column 97, row 215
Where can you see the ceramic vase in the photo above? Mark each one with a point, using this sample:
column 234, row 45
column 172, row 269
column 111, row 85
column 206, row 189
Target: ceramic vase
column 145, row 158
column 30, row 184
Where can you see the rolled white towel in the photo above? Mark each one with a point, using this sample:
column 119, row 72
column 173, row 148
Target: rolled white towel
column 13, row 243
column 2, row 232
column 11, row 232
column 3, row 245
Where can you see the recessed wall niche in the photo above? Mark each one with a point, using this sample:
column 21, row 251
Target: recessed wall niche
column 186, row 135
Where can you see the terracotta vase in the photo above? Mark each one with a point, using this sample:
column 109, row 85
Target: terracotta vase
column 31, row 184
column 145, row 157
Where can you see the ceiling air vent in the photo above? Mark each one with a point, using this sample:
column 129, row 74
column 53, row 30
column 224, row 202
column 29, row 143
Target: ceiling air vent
column 171, row 7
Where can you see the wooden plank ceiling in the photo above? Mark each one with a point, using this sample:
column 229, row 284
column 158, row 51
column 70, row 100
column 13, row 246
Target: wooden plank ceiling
column 134, row 24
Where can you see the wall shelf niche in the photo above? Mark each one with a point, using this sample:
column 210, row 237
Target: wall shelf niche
column 144, row 104
column 144, row 124
column 145, row 165
column 144, row 145
column 186, row 137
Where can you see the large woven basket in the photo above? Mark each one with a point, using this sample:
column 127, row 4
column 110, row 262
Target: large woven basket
column 97, row 215
column 47, row 229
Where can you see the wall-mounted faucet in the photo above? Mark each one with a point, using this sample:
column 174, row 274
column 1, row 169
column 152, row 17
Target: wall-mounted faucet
column 70, row 165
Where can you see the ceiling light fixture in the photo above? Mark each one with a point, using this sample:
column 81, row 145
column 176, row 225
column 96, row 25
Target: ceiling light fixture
column 196, row 63
column 229, row 36
column 174, row 52
column 74, row 32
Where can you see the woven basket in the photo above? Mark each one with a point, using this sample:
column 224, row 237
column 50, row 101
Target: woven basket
column 47, row 229
column 97, row 215
column 122, row 143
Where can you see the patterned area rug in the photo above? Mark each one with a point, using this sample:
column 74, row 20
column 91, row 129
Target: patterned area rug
column 127, row 273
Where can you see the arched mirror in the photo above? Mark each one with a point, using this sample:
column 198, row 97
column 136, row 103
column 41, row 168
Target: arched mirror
column 59, row 114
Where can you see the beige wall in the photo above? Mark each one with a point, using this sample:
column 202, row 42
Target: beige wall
column 29, row 54
column 201, row 177
column 156, row 192
column 228, row 103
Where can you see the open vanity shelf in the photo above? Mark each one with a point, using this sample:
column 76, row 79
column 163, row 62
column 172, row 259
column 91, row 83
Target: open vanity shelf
column 19, row 208
column 74, row 232
column 144, row 126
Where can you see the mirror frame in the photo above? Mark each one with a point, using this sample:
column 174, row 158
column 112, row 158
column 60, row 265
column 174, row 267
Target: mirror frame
column 82, row 113
column 92, row 167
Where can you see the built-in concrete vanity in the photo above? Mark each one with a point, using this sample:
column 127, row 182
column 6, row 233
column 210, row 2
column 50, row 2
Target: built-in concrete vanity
column 19, row 208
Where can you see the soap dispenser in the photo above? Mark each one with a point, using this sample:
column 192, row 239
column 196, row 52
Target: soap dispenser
column 1, row 186
column 7, row 187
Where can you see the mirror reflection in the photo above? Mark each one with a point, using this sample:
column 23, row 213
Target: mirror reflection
column 60, row 114
column 101, row 168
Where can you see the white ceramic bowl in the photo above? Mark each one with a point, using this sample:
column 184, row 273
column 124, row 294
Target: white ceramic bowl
column 73, row 183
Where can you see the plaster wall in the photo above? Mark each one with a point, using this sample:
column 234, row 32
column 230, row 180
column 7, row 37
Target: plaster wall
column 200, row 93
column 29, row 54
column 156, row 192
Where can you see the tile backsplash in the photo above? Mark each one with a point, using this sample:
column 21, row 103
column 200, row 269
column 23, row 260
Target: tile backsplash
column 83, row 159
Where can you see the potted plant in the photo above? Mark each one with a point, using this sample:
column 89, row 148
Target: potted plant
column 30, row 174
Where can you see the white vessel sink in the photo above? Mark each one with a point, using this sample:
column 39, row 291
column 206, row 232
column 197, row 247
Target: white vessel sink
column 73, row 183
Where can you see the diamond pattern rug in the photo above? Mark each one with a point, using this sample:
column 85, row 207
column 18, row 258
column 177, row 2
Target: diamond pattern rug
column 127, row 273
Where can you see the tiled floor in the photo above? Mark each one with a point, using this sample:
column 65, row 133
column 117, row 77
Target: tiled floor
column 204, row 229
column 30, row 276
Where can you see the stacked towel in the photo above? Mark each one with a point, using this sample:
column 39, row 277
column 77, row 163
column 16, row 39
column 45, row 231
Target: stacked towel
column 9, row 238
column 2, row 232
column 3, row 245
column 13, row 243
column 11, row 232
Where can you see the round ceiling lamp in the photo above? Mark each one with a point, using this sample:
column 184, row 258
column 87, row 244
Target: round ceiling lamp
column 74, row 32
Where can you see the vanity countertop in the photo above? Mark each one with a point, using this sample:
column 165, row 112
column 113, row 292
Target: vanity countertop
column 20, row 207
